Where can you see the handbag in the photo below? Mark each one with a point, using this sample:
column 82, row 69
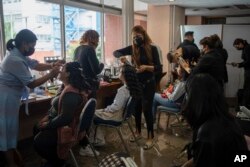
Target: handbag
column 66, row 134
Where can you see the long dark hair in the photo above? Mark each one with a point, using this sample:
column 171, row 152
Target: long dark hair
column 132, row 81
column 237, row 41
column 204, row 101
column 147, row 46
column 24, row 35
column 76, row 78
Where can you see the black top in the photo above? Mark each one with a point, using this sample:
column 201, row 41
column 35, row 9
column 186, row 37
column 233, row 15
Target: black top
column 246, row 58
column 146, row 75
column 70, row 102
column 186, row 43
column 216, row 142
column 190, row 53
column 211, row 63
column 223, row 53
column 86, row 56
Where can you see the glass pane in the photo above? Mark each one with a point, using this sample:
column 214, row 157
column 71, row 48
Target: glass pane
column 77, row 21
column 43, row 20
column 140, row 17
column 112, row 36
column 113, row 3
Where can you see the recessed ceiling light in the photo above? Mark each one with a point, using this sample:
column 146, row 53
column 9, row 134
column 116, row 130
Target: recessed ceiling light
column 171, row 0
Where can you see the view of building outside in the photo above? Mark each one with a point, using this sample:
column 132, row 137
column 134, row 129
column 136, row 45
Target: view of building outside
column 44, row 20
column 40, row 17
column 77, row 21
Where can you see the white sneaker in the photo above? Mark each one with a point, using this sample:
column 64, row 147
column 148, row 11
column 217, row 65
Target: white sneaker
column 87, row 151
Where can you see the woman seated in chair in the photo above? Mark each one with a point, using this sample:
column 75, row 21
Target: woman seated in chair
column 171, row 97
column 65, row 111
column 217, row 138
column 131, row 87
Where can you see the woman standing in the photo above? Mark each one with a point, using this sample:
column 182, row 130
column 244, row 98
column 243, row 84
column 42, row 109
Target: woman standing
column 145, row 58
column 14, row 77
column 85, row 54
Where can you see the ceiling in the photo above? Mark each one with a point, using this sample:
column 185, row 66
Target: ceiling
column 208, row 7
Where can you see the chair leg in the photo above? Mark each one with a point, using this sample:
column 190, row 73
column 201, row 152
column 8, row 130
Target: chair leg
column 73, row 157
column 93, row 149
column 168, row 120
column 95, row 132
column 123, row 142
column 130, row 127
column 158, row 122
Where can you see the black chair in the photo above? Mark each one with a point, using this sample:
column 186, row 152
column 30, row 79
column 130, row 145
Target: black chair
column 127, row 114
column 85, row 122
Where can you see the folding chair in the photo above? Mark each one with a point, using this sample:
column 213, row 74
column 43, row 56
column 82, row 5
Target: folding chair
column 85, row 121
column 169, row 111
column 127, row 114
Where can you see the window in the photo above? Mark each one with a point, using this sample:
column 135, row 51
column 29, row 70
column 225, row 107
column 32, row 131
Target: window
column 112, row 36
column 77, row 21
column 43, row 20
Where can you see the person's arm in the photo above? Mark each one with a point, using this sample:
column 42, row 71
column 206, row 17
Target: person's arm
column 96, row 67
column 45, row 78
column 246, row 62
column 127, row 51
column 44, row 67
column 178, row 91
column 35, row 65
column 69, row 104
column 156, row 67
column 119, row 101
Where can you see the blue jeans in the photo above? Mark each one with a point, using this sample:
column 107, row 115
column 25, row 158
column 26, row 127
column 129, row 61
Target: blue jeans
column 160, row 101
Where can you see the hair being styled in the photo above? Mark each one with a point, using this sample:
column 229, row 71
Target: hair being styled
column 217, row 41
column 90, row 36
column 147, row 46
column 132, row 81
column 207, row 41
column 24, row 35
column 237, row 41
column 204, row 101
column 76, row 79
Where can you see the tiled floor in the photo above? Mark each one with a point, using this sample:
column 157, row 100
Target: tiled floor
column 168, row 144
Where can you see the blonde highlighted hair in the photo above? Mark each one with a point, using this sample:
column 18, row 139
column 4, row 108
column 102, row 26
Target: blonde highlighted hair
column 90, row 36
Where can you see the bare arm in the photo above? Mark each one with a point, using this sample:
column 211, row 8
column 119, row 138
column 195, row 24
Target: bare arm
column 43, row 66
column 45, row 78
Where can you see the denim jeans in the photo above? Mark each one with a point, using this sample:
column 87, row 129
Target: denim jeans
column 160, row 101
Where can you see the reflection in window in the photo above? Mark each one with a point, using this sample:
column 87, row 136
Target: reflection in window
column 43, row 20
column 77, row 21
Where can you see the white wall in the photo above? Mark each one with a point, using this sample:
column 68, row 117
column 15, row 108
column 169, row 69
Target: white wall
column 228, row 34
column 235, row 75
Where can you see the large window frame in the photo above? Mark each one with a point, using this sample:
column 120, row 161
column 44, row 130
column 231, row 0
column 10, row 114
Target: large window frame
column 74, row 3
column 88, row 6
